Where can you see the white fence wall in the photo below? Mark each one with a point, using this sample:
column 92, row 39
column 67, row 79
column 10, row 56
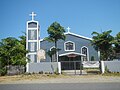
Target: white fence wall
column 112, row 66
column 90, row 64
column 43, row 66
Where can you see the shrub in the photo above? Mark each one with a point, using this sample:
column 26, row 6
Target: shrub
column 41, row 72
column 33, row 72
column 46, row 72
column 3, row 71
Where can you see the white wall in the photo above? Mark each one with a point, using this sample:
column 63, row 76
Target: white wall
column 112, row 66
column 43, row 66
column 90, row 64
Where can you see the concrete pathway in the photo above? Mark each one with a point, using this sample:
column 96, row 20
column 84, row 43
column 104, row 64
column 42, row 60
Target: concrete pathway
column 75, row 72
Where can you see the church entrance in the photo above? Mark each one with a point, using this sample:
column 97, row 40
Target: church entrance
column 70, row 62
column 70, row 65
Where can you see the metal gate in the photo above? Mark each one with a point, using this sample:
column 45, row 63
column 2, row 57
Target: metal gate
column 74, row 66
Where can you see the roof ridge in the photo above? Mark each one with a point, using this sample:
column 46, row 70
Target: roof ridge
column 78, row 35
column 74, row 35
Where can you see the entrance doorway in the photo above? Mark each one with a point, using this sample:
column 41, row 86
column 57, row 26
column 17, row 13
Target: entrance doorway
column 70, row 63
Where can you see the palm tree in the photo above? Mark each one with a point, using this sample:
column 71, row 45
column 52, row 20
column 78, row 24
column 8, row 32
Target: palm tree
column 103, row 42
column 51, row 52
column 117, row 46
column 55, row 32
column 117, row 43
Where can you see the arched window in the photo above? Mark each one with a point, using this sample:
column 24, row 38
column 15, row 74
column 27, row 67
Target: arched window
column 32, row 25
column 84, row 50
column 69, row 46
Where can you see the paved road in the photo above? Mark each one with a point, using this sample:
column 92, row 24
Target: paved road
column 75, row 86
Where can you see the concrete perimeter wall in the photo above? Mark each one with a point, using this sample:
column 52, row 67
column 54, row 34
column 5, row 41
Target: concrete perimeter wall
column 112, row 66
column 49, row 67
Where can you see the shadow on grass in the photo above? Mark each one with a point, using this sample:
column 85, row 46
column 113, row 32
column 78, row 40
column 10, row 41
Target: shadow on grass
column 92, row 71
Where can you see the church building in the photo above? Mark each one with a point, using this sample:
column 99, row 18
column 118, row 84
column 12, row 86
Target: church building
column 74, row 48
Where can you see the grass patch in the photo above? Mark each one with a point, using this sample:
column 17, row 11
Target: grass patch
column 111, row 74
column 92, row 70
column 35, row 75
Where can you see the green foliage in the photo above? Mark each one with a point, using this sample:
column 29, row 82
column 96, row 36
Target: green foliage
column 117, row 43
column 12, row 51
column 103, row 42
column 6, row 49
column 55, row 32
column 52, row 52
column 108, row 45
column 3, row 71
column 23, row 39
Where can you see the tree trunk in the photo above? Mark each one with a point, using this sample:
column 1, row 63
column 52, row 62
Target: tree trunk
column 56, row 50
column 51, row 58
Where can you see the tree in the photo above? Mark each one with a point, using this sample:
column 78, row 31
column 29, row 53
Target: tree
column 103, row 42
column 6, row 53
column 23, row 50
column 116, row 46
column 51, row 52
column 23, row 39
column 13, row 51
column 55, row 32
column 6, row 49
column 117, row 43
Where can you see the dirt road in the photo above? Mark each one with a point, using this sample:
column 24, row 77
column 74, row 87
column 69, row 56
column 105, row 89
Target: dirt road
column 37, row 78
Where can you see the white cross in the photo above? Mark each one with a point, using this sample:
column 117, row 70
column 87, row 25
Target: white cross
column 68, row 29
column 32, row 14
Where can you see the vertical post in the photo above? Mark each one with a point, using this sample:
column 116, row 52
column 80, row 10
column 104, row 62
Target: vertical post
column 75, row 67
column 59, row 67
column 102, row 67
column 57, row 56
column 81, row 66
column 69, row 62
column 27, row 67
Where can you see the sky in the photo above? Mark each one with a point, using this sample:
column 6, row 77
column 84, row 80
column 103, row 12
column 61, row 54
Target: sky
column 82, row 16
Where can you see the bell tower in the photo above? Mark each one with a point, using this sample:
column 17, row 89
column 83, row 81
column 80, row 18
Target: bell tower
column 32, row 38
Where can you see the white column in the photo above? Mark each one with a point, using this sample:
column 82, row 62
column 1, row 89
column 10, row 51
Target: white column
column 99, row 55
column 102, row 66
column 27, row 67
column 59, row 67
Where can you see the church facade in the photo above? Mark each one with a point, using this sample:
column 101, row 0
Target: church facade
column 74, row 48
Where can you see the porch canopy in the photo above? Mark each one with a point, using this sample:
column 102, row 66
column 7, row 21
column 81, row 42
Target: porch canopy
column 72, row 54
